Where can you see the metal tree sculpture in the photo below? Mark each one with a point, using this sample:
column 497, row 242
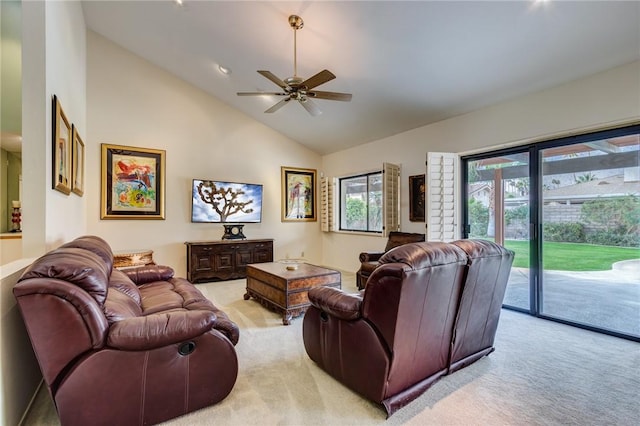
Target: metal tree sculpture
column 223, row 200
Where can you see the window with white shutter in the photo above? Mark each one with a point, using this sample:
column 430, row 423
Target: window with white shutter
column 326, row 201
column 368, row 202
column 391, row 194
column 442, row 198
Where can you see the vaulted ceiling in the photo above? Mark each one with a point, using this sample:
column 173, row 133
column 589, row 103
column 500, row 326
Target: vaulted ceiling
column 407, row 64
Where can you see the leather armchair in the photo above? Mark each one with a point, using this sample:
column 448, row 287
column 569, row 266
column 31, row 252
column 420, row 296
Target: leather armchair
column 369, row 260
column 123, row 347
column 428, row 309
column 390, row 342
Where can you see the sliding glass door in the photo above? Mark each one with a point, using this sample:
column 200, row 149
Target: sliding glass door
column 590, row 233
column 497, row 209
column 570, row 210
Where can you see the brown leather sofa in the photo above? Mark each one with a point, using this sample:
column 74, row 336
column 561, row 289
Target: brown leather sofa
column 126, row 347
column 428, row 309
column 369, row 259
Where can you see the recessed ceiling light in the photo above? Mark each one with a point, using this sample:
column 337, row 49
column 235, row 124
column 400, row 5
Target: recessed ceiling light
column 224, row 70
column 178, row 2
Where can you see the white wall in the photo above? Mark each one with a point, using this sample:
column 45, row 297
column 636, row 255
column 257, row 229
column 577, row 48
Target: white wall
column 66, row 78
column 598, row 101
column 54, row 63
column 203, row 138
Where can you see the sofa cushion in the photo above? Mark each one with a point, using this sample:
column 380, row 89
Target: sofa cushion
column 80, row 267
column 94, row 244
column 175, row 293
column 121, row 282
column 119, row 306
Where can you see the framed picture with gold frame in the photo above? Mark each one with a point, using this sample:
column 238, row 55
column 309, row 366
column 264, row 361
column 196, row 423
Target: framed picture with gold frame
column 61, row 153
column 77, row 163
column 298, row 194
column 132, row 183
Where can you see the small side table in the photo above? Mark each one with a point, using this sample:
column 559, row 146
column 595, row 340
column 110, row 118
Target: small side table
column 132, row 258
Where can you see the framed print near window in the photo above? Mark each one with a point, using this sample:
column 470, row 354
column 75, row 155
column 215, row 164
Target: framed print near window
column 298, row 195
column 132, row 182
column 416, row 198
column 61, row 153
column 77, row 163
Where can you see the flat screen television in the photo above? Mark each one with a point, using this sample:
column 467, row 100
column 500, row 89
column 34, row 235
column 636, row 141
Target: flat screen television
column 215, row 201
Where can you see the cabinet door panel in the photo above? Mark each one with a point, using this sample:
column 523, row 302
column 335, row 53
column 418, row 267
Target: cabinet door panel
column 224, row 260
column 202, row 263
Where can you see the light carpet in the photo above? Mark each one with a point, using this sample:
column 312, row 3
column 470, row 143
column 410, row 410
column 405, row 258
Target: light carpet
column 542, row 373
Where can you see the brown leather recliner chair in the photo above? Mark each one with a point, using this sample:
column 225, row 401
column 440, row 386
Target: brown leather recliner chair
column 392, row 342
column 123, row 347
column 428, row 310
column 369, row 259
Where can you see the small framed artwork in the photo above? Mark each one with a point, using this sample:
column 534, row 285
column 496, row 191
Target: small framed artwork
column 416, row 198
column 61, row 153
column 298, row 194
column 132, row 183
column 77, row 163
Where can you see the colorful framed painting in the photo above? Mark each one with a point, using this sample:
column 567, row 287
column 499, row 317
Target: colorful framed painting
column 61, row 153
column 77, row 163
column 133, row 183
column 298, row 194
column 416, row 198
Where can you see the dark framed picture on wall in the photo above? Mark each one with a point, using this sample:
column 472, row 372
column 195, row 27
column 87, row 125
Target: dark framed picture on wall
column 61, row 149
column 132, row 183
column 416, row 198
column 77, row 163
column 298, row 194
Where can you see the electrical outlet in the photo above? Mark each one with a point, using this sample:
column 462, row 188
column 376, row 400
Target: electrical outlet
column 287, row 256
column 302, row 254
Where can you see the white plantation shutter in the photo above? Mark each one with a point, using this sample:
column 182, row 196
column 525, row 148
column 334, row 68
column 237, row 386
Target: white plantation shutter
column 391, row 198
column 326, row 201
column 442, row 197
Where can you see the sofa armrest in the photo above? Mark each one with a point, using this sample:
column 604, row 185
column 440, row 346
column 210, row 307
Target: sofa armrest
column 336, row 302
column 157, row 330
column 370, row 256
column 149, row 273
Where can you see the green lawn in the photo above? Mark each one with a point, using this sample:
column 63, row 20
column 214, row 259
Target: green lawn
column 572, row 256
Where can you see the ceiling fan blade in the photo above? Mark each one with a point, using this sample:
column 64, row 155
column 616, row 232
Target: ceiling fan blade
column 311, row 107
column 261, row 93
column 332, row 96
column 273, row 78
column 278, row 105
column 318, row 79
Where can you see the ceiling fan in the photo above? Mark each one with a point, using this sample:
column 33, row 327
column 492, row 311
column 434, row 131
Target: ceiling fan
column 297, row 88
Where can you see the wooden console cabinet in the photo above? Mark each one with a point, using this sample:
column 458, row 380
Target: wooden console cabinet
column 226, row 259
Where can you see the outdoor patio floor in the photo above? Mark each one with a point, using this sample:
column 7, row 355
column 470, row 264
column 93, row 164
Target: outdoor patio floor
column 604, row 299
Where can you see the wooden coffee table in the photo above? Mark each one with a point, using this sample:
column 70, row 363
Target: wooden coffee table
column 285, row 291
